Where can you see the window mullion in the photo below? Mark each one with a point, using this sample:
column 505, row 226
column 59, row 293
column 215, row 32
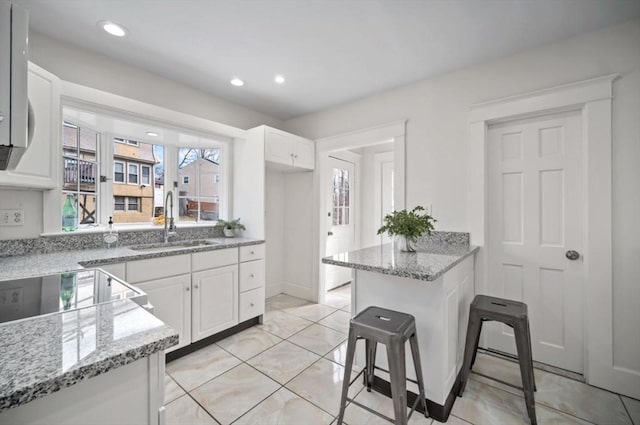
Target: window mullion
column 106, row 169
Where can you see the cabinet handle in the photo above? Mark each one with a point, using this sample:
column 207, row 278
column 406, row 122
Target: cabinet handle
column 187, row 289
column 252, row 275
column 196, row 286
column 252, row 252
column 252, row 304
column 291, row 155
column 295, row 156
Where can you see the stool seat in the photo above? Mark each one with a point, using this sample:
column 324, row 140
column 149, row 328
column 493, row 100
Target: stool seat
column 393, row 329
column 511, row 313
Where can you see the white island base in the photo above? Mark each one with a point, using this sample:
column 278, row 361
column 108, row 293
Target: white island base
column 441, row 310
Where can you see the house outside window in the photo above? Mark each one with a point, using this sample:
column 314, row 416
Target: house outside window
column 133, row 173
column 199, row 192
column 146, row 175
column 80, row 170
column 119, row 203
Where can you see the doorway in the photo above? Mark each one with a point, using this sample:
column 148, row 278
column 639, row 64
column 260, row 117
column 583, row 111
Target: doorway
column 536, row 215
column 362, row 149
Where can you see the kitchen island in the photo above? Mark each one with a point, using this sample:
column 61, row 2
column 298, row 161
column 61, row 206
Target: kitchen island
column 434, row 284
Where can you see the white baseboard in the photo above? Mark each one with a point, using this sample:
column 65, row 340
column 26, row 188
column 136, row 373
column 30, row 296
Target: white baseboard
column 273, row 288
column 299, row 291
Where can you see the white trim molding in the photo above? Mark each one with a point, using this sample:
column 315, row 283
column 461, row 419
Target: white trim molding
column 389, row 132
column 593, row 99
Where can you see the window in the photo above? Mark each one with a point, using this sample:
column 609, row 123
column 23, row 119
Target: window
column 118, row 172
column 126, row 141
column 133, row 143
column 133, row 204
column 199, row 192
column 127, row 203
column 146, row 175
column 340, row 197
column 133, row 173
column 144, row 168
column 80, row 170
column 118, row 203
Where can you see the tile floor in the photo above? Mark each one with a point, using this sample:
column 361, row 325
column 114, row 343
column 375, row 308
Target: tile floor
column 289, row 371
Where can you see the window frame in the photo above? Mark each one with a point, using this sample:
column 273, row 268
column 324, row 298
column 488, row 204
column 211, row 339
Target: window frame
column 137, row 165
column 124, row 171
column 148, row 167
column 190, row 134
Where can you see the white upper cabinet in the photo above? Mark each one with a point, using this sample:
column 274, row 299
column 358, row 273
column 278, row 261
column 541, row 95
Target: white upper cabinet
column 288, row 149
column 39, row 166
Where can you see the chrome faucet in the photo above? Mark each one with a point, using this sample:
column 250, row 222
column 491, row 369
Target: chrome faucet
column 172, row 227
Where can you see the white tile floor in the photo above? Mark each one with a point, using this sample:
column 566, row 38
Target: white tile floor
column 289, row 371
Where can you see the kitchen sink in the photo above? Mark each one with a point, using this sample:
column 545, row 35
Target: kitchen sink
column 174, row 245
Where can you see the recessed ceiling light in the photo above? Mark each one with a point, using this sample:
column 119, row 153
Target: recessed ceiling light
column 279, row 79
column 152, row 134
column 237, row 82
column 113, row 28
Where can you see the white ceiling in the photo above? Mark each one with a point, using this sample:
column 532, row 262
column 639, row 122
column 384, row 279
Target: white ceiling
column 330, row 51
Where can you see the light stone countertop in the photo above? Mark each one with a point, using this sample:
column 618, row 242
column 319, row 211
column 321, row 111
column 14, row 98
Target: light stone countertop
column 36, row 360
column 425, row 264
column 17, row 267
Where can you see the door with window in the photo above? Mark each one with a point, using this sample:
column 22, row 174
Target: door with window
column 340, row 217
column 536, row 214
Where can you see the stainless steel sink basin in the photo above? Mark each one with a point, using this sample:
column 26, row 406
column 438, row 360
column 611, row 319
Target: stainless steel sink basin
column 174, row 245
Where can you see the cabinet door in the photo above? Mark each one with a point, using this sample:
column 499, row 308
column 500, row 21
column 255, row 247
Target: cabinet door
column 215, row 301
column 39, row 165
column 304, row 153
column 171, row 300
column 278, row 147
column 116, row 269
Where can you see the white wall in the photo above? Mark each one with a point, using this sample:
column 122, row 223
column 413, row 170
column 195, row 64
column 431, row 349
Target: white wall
column 274, row 231
column 80, row 66
column 31, row 202
column 437, row 111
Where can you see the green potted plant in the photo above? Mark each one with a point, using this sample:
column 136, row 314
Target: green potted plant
column 408, row 226
column 229, row 227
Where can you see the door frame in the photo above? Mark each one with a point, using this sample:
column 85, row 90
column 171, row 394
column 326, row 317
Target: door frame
column 593, row 99
column 390, row 132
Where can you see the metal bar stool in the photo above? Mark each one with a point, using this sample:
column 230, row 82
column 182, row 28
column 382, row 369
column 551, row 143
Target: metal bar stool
column 393, row 329
column 513, row 314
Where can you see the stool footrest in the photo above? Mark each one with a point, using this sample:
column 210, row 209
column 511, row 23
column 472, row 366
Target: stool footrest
column 385, row 370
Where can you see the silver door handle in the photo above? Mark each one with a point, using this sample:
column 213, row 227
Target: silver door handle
column 572, row 255
column 329, row 233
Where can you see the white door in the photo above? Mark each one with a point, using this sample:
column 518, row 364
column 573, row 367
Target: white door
column 383, row 175
column 214, row 305
column 340, row 214
column 171, row 300
column 536, row 215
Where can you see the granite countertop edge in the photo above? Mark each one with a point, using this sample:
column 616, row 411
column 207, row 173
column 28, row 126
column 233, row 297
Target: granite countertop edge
column 29, row 393
column 403, row 272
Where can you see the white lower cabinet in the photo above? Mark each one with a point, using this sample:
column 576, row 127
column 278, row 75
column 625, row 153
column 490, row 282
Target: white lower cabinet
column 214, row 301
column 171, row 300
column 117, row 269
column 211, row 292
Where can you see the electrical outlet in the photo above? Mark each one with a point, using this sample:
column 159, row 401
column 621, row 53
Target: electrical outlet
column 11, row 217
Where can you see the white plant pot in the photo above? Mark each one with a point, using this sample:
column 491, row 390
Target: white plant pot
column 230, row 233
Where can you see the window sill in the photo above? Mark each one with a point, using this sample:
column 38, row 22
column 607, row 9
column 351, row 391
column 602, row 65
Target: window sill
column 128, row 228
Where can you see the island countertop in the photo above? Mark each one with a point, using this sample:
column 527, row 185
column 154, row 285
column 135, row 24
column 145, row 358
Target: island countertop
column 42, row 355
column 428, row 263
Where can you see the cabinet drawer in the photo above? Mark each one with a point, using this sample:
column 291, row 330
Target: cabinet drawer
column 212, row 259
column 251, row 275
column 251, row 252
column 156, row 268
column 251, row 304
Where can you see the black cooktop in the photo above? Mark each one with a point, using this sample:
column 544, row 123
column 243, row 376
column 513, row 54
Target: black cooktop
column 35, row 296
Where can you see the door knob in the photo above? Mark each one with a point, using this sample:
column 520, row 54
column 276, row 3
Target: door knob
column 572, row 255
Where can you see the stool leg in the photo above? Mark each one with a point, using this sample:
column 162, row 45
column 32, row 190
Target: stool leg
column 370, row 347
column 397, row 372
column 533, row 376
column 525, row 360
column 473, row 333
column 475, row 346
column 348, row 364
column 413, row 340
